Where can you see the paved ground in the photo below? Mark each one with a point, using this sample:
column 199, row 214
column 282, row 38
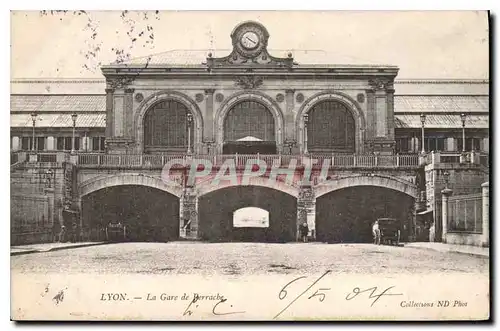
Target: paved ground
column 247, row 259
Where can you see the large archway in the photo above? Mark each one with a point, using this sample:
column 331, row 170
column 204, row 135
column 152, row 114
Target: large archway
column 251, row 123
column 338, row 117
column 249, row 128
column 147, row 213
column 218, row 214
column 166, row 128
column 347, row 214
column 167, row 111
column 330, row 128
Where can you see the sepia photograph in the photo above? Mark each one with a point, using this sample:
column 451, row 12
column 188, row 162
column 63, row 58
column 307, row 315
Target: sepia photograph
column 249, row 165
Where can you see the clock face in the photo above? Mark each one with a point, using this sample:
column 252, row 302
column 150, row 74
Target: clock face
column 250, row 40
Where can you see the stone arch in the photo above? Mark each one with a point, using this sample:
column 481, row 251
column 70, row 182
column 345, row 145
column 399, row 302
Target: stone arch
column 101, row 182
column 241, row 96
column 208, row 186
column 346, row 100
column 389, row 182
column 160, row 96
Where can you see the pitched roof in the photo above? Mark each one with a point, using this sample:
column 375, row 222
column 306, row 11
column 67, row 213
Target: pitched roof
column 441, row 121
column 441, row 104
column 58, row 120
column 57, row 103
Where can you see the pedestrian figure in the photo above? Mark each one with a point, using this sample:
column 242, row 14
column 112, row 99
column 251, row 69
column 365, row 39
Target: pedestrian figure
column 376, row 233
column 74, row 232
column 62, row 234
column 304, row 231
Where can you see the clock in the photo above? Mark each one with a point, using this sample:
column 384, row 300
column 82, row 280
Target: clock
column 250, row 40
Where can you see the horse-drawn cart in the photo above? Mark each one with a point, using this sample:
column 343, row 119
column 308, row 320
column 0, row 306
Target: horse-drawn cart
column 390, row 231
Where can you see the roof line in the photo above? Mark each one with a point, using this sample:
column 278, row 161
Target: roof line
column 103, row 80
column 59, row 94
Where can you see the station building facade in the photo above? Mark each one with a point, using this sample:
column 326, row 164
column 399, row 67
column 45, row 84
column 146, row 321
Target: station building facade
column 249, row 102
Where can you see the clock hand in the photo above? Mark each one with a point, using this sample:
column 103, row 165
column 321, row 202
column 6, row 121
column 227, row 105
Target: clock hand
column 251, row 40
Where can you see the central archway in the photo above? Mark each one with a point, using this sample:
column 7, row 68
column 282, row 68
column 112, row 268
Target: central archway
column 217, row 214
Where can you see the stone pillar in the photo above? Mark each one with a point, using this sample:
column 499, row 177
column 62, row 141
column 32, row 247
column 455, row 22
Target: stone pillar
column 450, row 144
column 109, row 112
column 289, row 115
column 51, row 143
column 306, row 210
column 128, row 109
column 435, row 157
column 486, row 214
column 188, row 214
column 486, row 145
column 444, row 198
column 15, row 143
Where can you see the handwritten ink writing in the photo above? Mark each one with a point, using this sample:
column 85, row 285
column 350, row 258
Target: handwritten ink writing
column 318, row 293
column 356, row 291
column 282, row 294
column 215, row 311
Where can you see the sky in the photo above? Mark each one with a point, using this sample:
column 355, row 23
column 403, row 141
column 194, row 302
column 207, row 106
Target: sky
column 425, row 45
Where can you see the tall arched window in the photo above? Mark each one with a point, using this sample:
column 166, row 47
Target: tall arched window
column 330, row 128
column 249, row 118
column 166, row 128
column 249, row 129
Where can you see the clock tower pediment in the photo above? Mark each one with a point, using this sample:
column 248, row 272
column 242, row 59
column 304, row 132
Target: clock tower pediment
column 249, row 41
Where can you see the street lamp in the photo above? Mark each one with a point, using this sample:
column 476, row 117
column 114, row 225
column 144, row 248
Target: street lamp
column 73, row 117
column 463, row 117
column 422, row 120
column 306, row 119
column 189, row 121
column 446, row 176
column 33, row 119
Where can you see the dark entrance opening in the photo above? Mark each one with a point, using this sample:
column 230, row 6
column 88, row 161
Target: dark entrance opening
column 347, row 215
column 217, row 210
column 249, row 147
column 147, row 214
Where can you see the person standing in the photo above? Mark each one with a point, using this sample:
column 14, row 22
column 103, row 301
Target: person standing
column 376, row 233
column 304, row 231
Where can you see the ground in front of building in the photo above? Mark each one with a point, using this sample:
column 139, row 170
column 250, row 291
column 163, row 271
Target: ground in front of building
column 247, row 259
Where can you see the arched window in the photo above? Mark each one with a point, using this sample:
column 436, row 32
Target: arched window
column 166, row 128
column 249, row 119
column 330, row 128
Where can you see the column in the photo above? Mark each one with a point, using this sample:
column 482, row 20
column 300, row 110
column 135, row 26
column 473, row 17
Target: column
column 444, row 198
column 486, row 214
column 289, row 115
column 51, row 143
column 128, row 117
column 450, row 144
column 15, row 143
column 109, row 112
column 188, row 213
column 486, row 145
column 306, row 211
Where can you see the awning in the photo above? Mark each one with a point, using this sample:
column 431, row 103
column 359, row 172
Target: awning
column 425, row 212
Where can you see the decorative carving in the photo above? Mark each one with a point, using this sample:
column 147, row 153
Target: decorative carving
column 299, row 98
column 249, row 82
column 360, row 97
column 139, row 97
column 249, row 41
column 280, row 97
column 199, row 97
column 380, row 83
column 120, row 82
column 209, row 91
column 219, row 97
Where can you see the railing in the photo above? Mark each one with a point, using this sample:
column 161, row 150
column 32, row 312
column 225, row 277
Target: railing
column 47, row 157
column 240, row 160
